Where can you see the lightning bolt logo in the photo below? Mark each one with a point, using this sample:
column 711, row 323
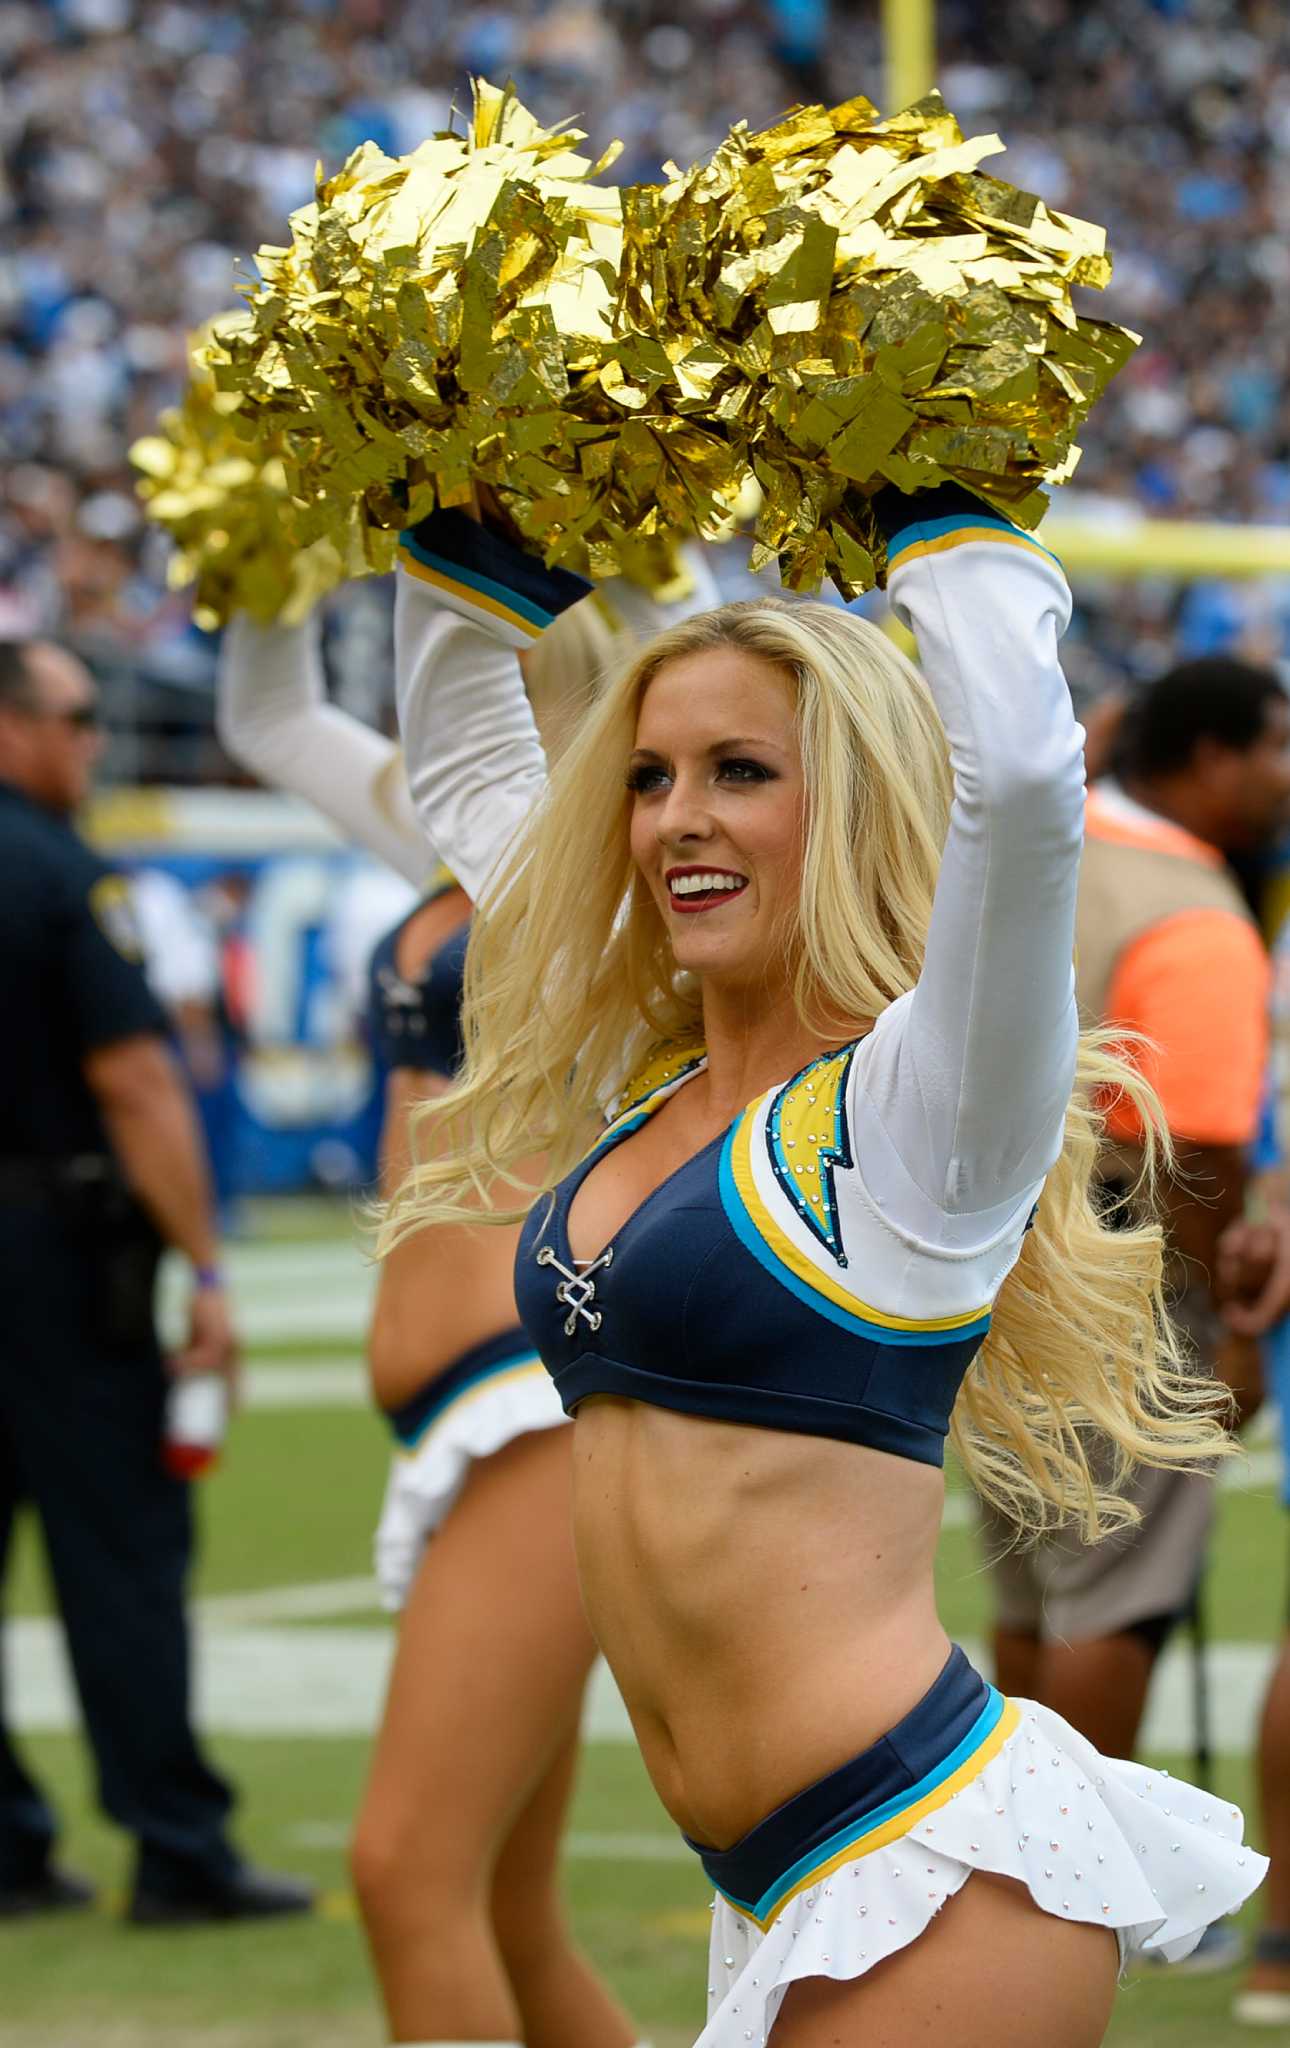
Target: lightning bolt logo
column 807, row 1138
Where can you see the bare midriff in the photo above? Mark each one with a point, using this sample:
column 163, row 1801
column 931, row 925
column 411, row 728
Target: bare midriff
column 447, row 1289
column 765, row 1600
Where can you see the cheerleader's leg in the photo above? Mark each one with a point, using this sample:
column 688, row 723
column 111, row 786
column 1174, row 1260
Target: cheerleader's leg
column 562, row 2002
column 990, row 1971
column 493, row 1655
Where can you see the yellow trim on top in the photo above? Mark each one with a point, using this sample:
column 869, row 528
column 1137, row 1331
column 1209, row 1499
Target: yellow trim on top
column 656, row 1093
column 526, row 1370
column 803, row 1265
column 476, row 598
column 637, row 1112
column 439, row 882
column 920, row 550
column 900, row 1824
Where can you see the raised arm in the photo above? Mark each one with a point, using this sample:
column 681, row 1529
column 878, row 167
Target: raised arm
column 969, row 1076
column 272, row 715
column 468, row 604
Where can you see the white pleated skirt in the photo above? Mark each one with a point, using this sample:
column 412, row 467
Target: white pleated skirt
column 490, row 1398
column 1111, row 1844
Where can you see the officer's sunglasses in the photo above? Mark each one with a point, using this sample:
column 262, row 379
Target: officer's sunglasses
column 80, row 717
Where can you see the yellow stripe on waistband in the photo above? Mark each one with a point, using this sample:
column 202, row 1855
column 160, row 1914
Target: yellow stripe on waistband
column 900, row 1824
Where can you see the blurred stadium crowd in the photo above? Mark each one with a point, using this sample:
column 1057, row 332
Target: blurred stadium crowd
column 148, row 146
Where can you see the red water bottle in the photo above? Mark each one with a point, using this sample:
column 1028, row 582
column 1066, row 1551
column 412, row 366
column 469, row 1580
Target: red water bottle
column 196, row 1419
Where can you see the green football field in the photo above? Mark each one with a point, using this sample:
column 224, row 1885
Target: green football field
column 292, row 1650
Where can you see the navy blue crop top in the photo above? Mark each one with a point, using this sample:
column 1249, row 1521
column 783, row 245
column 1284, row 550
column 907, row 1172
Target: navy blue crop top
column 418, row 1023
column 690, row 1307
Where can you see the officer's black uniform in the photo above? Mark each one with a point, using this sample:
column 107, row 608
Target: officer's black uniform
column 81, row 1379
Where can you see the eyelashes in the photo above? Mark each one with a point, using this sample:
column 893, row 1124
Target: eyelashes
column 645, row 777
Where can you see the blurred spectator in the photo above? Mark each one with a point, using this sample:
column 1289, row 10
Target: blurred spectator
column 1167, row 950
column 148, row 146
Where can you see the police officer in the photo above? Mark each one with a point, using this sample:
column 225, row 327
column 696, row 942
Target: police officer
column 100, row 1166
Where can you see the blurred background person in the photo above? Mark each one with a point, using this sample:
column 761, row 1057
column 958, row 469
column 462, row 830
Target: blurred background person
column 181, row 962
column 1168, row 950
column 101, row 1164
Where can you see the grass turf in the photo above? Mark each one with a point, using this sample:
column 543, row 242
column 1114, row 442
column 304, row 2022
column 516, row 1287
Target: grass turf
column 306, row 1982
column 75, row 1978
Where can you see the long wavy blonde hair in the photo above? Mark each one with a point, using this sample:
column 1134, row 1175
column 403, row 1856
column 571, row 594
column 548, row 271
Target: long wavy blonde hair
column 570, row 981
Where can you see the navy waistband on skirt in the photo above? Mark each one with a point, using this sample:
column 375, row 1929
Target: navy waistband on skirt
column 948, row 1736
column 489, row 1360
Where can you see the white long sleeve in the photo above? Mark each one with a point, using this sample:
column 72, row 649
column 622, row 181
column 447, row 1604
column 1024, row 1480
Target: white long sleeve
column 959, row 1095
column 475, row 763
column 467, row 604
column 272, row 715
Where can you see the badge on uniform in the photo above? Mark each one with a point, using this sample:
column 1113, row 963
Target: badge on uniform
column 112, row 907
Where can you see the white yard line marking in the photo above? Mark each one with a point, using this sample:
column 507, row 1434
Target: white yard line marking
column 317, row 1600
column 311, row 1384
column 1255, row 1471
column 330, row 1681
column 320, row 1321
column 318, row 1294
column 634, row 1848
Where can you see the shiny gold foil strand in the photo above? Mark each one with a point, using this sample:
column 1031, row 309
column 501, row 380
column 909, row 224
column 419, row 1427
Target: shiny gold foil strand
column 426, row 329
column 835, row 303
column 863, row 305
column 224, row 502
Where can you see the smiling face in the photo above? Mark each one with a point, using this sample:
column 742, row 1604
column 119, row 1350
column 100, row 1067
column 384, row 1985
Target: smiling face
column 718, row 813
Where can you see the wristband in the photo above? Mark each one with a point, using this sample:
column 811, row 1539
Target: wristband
column 208, row 1278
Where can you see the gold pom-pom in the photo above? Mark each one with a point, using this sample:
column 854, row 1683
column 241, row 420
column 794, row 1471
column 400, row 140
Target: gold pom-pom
column 222, row 497
column 852, row 302
column 427, row 328
column 836, row 303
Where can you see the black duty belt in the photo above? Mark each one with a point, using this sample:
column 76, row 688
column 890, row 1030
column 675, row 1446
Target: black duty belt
column 26, row 1180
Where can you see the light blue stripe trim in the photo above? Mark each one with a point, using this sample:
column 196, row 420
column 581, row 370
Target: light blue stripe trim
column 640, row 1112
column 934, row 529
column 470, row 579
column 751, row 1238
column 487, row 1372
column 984, row 1725
column 616, row 1131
